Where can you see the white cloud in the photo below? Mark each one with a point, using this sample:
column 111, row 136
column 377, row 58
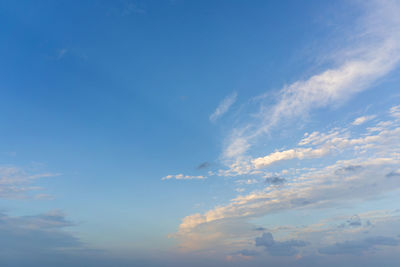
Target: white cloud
column 299, row 153
column 362, row 119
column 223, row 107
column 183, row 177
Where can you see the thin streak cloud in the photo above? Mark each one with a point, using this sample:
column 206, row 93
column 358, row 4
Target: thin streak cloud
column 223, row 107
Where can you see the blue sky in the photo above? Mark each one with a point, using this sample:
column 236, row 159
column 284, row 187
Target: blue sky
column 184, row 133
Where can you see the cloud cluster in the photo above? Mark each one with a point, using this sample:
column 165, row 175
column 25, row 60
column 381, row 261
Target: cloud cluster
column 372, row 159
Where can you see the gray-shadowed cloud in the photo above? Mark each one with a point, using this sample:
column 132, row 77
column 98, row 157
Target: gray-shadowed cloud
column 203, row 165
column 359, row 246
column 354, row 221
column 350, row 168
column 393, row 174
column 43, row 232
column 279, row 248
column 275, row 180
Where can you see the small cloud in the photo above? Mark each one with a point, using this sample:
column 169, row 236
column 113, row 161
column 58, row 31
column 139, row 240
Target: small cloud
column 277, row 248
column 183, row 177
column 223, row 107
column 349, row 168
column 359, row 246
column 354, row 221
column 203, row 165
column 246, row 252
column 132, row 8
column 362, row 119
column 61, row 53
column 260, row 229
column 393, row 174
column 275, row 180
column 395, row 111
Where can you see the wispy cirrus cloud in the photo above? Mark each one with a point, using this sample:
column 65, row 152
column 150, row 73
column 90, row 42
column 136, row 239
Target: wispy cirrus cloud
column 15, row 182
column 373, row 52
column 223, row 107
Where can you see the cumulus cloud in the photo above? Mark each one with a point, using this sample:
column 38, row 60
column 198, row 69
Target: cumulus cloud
column 223, row 107
column 183, row 177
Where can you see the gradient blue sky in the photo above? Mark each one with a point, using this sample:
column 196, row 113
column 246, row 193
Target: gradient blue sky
column 192, row 133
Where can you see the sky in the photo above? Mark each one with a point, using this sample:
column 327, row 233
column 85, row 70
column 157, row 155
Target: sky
column 192, row 133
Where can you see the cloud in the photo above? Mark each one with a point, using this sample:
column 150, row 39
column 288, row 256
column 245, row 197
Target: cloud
column 183, row 177
column 362, row 119
column 203, row 165
column 223, row 107
column 16, row 182
column 43, row 233
column 357, row 247
column 279, row 248
column 246, row 252
column 395, row 111
column 299, row 153
column 350, row 168
column 275, row 180
column 317, row 145
column 354, row 221
column 373, row 53
column 361, row 176
column 393, row 174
